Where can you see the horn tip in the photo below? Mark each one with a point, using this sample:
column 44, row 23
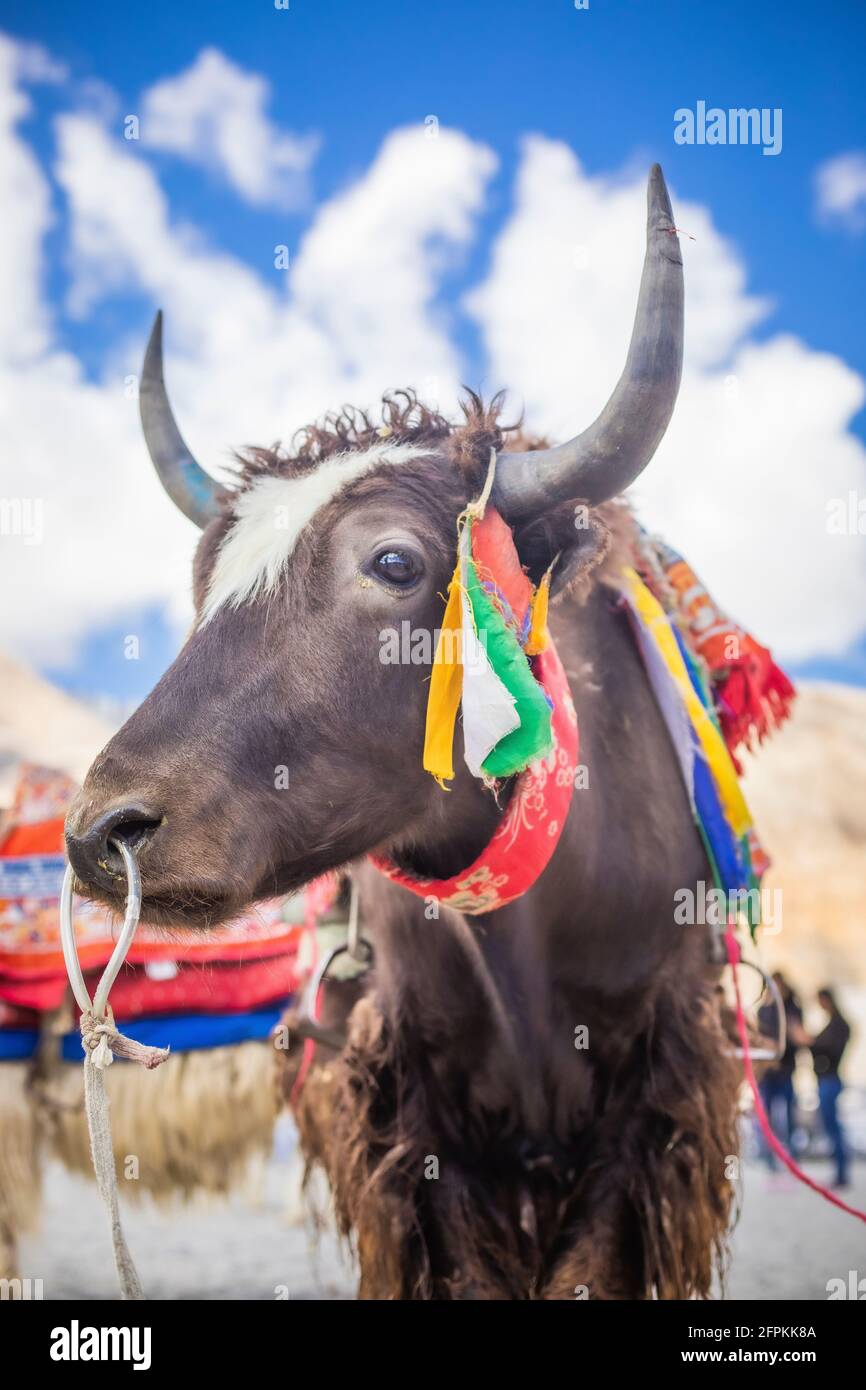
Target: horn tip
column 661, row 229
column 154, row 342
column 657, row 192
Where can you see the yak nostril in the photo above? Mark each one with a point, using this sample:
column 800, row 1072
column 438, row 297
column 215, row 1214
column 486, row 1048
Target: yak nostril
column 135, row 833
column 134, row 828
column 95, row 854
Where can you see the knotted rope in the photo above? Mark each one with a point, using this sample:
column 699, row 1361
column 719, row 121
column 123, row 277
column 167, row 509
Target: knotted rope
column 102, row 1042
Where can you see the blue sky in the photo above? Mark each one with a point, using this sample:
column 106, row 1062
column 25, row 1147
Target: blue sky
column 606, row 81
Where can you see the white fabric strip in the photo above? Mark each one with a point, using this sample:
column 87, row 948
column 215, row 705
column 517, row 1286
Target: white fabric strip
column 489, row 709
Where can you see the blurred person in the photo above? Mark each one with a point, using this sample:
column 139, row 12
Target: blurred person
column 777, row 1083
column 827, row 1048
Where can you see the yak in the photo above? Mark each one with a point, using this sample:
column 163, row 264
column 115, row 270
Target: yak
column 560, row 1172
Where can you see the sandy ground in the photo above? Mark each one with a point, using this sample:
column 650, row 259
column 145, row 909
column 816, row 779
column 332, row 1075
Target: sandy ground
column 787, row 1245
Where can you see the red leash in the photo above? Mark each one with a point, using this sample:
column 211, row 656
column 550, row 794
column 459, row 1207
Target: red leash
column 775, row 1144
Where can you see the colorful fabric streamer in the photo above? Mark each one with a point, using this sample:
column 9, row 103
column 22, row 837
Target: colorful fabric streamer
column 492, row 617
column 526, row 838
column 708, row 768
column 752, row 694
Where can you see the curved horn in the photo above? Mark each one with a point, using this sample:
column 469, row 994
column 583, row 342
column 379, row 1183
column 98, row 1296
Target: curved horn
column 185, row 481
column 605, row 458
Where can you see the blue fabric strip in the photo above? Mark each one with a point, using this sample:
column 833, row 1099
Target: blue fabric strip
column 721, row 838
column 723, row 842
column 32, row 876
column 17, row 1044
column 180, row 1032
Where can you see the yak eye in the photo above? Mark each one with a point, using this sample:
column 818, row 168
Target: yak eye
column 396, row 567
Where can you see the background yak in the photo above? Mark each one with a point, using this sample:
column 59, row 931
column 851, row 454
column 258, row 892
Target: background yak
column 560, row 1171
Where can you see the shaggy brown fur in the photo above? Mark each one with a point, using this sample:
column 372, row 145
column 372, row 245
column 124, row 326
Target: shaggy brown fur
column 638, row 1207
column 403, row 419
column 467, row 445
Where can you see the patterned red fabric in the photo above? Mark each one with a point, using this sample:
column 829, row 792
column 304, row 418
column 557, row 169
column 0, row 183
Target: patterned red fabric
column 234, row 969
column 529, row 832
column 31, row 841
column 43, row 837
column 216, row 988
column 212, row 987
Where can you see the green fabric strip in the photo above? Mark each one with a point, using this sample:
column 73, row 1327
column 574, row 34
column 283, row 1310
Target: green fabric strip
column 533, row 738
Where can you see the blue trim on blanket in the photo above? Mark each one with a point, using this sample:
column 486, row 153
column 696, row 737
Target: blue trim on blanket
column 180, row 1032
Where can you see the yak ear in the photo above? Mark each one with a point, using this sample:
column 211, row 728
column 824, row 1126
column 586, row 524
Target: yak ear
column 574, row 536
column 581, row 557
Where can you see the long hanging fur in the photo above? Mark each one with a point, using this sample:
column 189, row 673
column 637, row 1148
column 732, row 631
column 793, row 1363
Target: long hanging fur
column 193, row 1126
column 20, row 1168
column 652, row 1170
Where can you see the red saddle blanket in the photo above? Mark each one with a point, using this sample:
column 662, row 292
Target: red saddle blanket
column 236, row 968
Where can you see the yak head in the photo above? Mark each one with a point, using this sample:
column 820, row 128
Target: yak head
column 286, row 738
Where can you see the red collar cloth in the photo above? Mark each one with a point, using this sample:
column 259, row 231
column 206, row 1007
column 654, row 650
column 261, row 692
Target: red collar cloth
column 523, row 843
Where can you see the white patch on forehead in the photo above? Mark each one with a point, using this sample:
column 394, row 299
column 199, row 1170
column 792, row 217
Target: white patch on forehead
column 271, row 514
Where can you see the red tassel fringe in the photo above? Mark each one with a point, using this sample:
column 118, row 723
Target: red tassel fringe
column 754, row 699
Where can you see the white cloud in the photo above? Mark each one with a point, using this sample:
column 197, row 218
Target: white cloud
column 259, row 357
column 71, row 463
column 758, row 446
column 249, row 357
column 24, row 318
column 840, row 190
column 214, row 114
column 33, row 63
column 759, row 442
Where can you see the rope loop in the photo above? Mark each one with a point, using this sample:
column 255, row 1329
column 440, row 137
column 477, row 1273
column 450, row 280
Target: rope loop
column 102, row 1042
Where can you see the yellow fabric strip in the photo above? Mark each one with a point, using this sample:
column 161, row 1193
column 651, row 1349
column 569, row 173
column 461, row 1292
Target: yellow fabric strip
column 446, row 687
column 724, row 775
column 538, row 635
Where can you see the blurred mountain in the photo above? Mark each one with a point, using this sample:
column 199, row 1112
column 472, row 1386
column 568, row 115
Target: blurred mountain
column 40, row 724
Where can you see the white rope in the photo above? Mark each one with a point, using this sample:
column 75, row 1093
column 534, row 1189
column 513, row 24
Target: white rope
column 479, row 506
column 102, row 1042
column 102, row 1150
